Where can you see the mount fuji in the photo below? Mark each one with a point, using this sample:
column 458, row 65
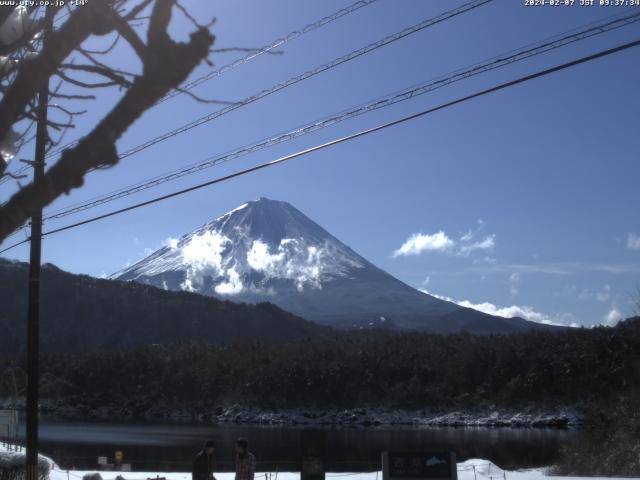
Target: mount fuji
column 267, row 250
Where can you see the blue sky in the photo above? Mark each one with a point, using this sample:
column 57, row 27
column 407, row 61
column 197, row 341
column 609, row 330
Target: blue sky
column 523, row 201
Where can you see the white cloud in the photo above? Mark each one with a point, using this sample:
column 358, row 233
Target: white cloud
column 488, row 259
column 633, row 241
column 232, row 286
column 487, row 243
column 418, row 243
column 613, row 317
column 260, row 259
column 441, row 297
column 475, row 240
column 202, row 255
column 171, row 243
column 526, row 312
column 205, row 249
column 212, row 262
column 292, row 260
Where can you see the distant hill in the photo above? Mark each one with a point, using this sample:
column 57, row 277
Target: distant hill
column 81, row 313
column 267, row 250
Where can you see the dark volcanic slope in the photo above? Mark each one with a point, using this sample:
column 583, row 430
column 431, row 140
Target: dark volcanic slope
column 84, row 313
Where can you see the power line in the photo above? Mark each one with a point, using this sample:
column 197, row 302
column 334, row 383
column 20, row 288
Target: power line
column 293, row 80
column 353, row 136
column 309, row 74
column 382, row 102
column 251, row 55
column 267, row 48
column 8, row 175
column 306, row 75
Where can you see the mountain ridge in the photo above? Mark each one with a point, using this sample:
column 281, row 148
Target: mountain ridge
column 267, row 250
column 83, row 313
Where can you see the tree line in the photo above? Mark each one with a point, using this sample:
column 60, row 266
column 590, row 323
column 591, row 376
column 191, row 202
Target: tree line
column 574, row 367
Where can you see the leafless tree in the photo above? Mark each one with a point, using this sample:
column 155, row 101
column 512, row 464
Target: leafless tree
column 32, row 54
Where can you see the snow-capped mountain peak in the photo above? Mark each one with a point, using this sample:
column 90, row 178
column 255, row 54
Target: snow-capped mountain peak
column 267, row 250
column 248, row 248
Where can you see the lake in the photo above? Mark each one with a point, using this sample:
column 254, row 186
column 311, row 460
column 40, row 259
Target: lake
column 170, row 447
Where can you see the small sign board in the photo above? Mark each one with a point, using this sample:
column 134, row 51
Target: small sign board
column 102, row 460
column 119, row 456
column 313, row 446
column 419, row 466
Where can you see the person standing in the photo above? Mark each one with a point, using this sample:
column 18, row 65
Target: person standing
column 203, row 463
column 245, row 461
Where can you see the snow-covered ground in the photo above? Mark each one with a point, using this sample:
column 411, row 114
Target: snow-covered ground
column 473, row 469
column 11, row 458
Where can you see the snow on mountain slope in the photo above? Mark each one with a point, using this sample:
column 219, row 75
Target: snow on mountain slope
column 246, row 248
column 267, row 250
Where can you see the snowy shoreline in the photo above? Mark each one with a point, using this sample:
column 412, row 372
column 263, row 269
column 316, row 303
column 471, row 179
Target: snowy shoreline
column 471, row 469
column 368, row 418
column 357, row 417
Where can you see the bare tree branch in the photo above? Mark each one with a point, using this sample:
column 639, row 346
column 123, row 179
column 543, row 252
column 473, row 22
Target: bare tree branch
column 166, row 65
column 32, row 74
column 200, row 99
column 115, row 77
column 129, row 34
column 73, row 97
column 103, row 51
column 79, row 83
column 137, row 9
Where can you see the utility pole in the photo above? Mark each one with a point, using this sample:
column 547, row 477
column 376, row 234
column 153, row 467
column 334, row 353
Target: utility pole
column 33, row 308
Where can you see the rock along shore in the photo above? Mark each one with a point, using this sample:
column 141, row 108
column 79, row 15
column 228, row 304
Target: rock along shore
column 362, row 417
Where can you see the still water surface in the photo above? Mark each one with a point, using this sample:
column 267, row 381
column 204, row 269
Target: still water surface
column 171, row 447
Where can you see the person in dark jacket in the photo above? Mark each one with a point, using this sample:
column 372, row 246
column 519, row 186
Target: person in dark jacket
column 245, row 461
column 203, row 463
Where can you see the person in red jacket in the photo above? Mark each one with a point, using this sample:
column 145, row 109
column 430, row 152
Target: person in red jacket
column 245, row 461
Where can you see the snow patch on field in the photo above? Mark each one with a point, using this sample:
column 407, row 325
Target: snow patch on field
column 12, row 459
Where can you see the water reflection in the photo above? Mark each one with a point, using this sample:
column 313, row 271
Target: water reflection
column 170, row 447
